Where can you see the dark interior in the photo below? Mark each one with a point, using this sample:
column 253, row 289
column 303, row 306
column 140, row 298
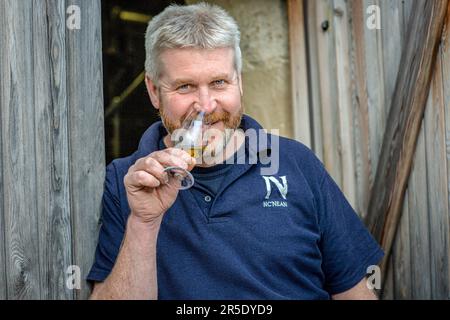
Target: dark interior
column 123, row 33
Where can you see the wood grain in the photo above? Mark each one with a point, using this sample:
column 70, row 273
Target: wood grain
column 18, row 152
column 299, row 72
column 312, row 27
column 51, row 146
column 392, row 45
column 3, row 275
column 388, row 289
column 344, row 98
column 374, row 69
column 401, row 257
column 435, row 146
column 51, row 143
column 445, row 73
column 85, row 102
column 328, row 91
column 392, row 40
column 360, row 108
column 419, row 223
column 405, row 118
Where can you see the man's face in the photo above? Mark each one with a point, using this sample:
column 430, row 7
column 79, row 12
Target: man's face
column 198, row 79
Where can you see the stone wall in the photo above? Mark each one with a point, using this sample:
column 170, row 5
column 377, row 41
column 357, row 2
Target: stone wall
column 265, row 50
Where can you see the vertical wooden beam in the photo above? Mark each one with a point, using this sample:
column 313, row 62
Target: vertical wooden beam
column 328, row 89
column 344, row 99
column 3, row 278
column 47, row 151
column 375, row 88
column 405, row 117
column 407, row 9
column 299, row 72
column 434, row 122
column 401, row 257
column 360, row 105
column 52, row 144
column 445, row 71
column 310, row 8
column 392, row 40
column 18, row 151
column 419, row 227
column 392, row 44
column 84, row 81
column 388, row 289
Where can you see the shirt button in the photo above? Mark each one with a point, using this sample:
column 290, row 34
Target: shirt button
column 207, row 198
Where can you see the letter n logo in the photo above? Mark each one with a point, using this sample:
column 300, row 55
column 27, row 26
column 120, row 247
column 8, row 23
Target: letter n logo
column 282, row 186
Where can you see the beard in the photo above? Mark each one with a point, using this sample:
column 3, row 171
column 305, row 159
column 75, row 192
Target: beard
column 215, row 140
column 230, row 121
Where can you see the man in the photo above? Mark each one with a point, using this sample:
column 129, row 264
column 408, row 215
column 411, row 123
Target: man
column 236, row 234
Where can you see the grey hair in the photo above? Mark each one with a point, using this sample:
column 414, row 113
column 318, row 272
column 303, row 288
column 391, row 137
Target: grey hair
column 201, row 25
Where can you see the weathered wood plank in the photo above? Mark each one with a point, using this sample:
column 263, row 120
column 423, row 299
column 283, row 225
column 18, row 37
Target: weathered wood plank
column 445, row 65
column 299, row 72
column 84, row 67
column 344, row 99
column 3, row 278
column 312, row 27
column 18, row 152
column 328, row 90
column 388, row 288
column 435, row 146
column 360, row 107
column 401, row 257
column 405, row 118
column 392, row 43
column 375, row 89
column 407, row 9
column 51, row 141
column 419, row 230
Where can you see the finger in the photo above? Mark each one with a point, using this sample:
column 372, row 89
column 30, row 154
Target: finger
column 181, row 153
column 167, row 159
column 140, row 178
column 151, row 166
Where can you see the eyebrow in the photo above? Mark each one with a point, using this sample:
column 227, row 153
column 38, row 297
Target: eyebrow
column 181, row 81
column 222, row 76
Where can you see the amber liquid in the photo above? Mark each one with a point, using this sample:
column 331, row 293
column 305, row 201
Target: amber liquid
column 195, row 152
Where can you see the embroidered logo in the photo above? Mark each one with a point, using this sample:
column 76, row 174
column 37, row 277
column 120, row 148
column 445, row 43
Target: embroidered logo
column 282, row 189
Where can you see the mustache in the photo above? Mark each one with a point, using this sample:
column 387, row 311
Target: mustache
column 213, row 117
column 219, row 116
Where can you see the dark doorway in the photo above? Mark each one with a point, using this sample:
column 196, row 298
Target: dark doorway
column 128, row 110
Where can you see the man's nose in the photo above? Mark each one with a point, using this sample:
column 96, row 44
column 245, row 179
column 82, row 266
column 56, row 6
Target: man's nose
column 206, row 101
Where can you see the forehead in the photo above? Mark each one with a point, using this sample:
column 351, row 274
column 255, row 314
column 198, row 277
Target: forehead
column 196, row 63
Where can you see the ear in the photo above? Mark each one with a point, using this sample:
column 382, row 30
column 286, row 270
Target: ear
column 241, row 89
column 152, row 90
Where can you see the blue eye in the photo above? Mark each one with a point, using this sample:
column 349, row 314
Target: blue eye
column 219, row 83
column 184, row 87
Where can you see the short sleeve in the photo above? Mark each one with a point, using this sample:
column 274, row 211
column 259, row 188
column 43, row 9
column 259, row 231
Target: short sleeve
column 348, row 248
column 111, row 231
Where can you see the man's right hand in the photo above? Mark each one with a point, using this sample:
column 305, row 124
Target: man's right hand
column 150, row 192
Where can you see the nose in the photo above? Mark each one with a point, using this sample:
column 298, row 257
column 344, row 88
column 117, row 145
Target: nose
column 206, row 101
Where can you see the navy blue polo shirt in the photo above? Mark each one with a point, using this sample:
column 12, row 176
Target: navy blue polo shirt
column 290, row 235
